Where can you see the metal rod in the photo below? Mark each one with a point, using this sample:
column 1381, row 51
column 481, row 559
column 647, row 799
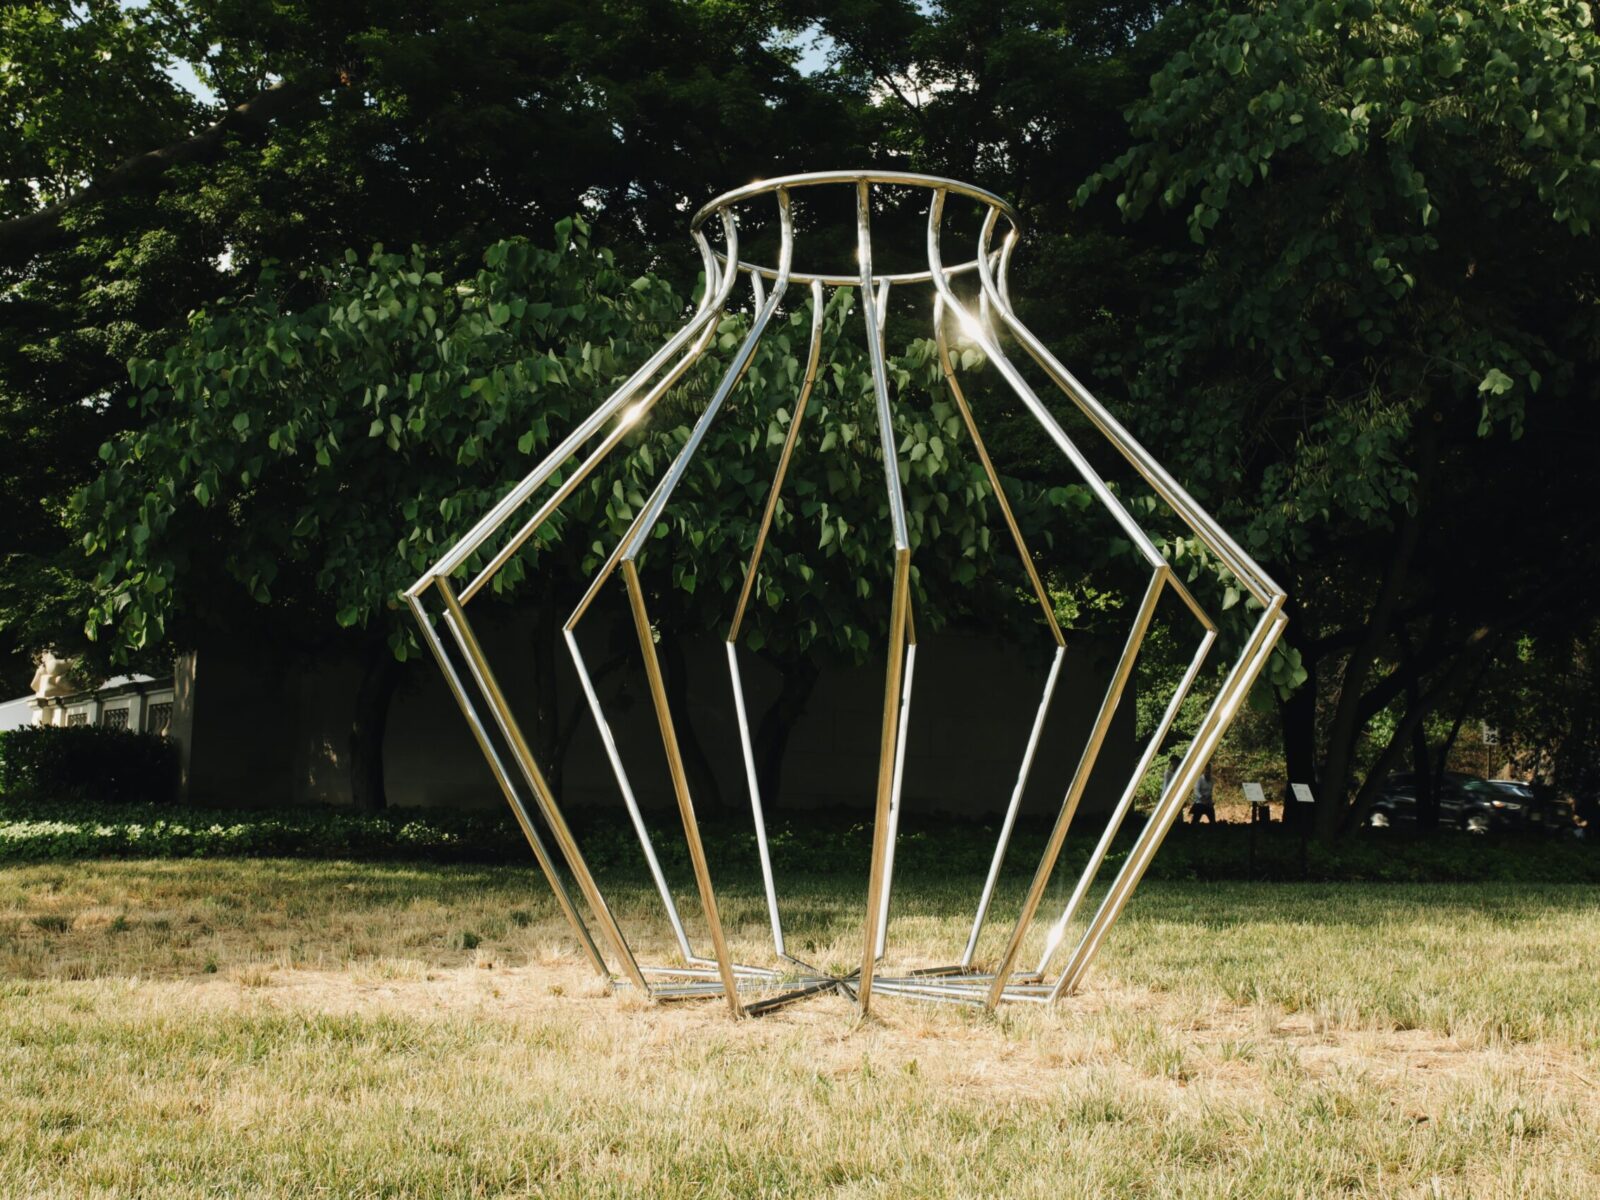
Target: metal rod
column 880, row 378
column 981, row 334
column 761, row 1008
column 478, row 666
column 756, row 811
column 1080, row 780
column 899, row 782
column 680, row 784
column 812, row 178
column 606, row 568
column 710, row 305
column 886, row 747
column 1014, row 806
column 609, row 741
column 941, row 336
column 1125, row 802
column 632, row 541
column 629, row 420
column 1248, row 571
column 730, row 380
column 1233, row 692
column 768, row 513
column 503, row 777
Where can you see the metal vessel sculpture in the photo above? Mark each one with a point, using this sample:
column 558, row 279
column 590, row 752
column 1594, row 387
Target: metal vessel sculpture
column 439, row 598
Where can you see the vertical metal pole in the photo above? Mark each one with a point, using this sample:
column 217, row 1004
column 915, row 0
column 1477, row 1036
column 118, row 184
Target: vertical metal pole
column 767, row 516
column 886, row 745
column 769, row 884
column 877, row 879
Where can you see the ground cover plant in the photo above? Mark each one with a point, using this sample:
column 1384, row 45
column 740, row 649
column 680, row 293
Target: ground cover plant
column 277, row 1027
column 32, row 830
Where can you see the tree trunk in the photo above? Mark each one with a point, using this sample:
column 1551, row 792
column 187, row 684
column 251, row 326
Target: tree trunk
column 1427, row 789
column 1421, row 767
column 1297, row 721
column 1461, row 716
column 772, row 735
column 1344, row 731
column 1471, row 648
column 380, row 675
column 1349, row 720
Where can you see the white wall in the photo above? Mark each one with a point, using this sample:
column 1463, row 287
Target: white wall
column 15, row 714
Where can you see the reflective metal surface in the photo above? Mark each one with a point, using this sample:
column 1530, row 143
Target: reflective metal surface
column 982, row 317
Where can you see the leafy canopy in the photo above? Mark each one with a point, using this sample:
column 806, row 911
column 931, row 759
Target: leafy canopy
column 320, row 455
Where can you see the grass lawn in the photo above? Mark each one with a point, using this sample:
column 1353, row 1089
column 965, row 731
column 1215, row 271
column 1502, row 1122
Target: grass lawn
column 315, row 1028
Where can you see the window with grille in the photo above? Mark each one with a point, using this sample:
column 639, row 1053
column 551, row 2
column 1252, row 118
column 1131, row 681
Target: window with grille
column 160, row 719
column 78, row 718
column 115, row 718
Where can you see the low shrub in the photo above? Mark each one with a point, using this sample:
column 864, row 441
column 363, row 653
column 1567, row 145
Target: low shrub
column 88, row 764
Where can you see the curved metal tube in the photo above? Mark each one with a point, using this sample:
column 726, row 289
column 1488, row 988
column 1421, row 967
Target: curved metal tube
column 1200, row 522
column 710, row 305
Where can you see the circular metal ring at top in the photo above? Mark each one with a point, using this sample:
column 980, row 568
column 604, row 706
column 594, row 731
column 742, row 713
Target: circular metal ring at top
column 933, row 183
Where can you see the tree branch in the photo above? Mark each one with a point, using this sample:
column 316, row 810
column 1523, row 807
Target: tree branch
column 24, row 237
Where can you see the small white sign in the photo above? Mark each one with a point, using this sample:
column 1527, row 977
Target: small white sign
column 1491, row 735
column 1254, row 794
column 1302, row 793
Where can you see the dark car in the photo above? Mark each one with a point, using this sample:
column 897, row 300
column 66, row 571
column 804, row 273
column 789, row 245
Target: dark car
column 1465, row 802
column 1544, row 807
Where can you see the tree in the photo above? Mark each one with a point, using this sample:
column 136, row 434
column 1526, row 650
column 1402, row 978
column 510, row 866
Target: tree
column 131, row 201
column 1383, row 322
column 318, row 457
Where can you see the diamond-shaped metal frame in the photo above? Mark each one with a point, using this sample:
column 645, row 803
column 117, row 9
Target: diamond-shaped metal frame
column 751, row 990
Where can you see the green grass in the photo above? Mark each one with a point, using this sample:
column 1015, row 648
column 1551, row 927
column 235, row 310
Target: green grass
column 305, row 1028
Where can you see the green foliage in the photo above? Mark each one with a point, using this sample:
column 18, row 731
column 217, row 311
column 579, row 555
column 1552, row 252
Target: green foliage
column 89, row 764
column 452, row 126
column 1366, row 227
column 331, row 451
column 1372, row 183
column 323, row 456
column 821, row 845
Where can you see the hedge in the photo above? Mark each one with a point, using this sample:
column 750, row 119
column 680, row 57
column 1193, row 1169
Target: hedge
column 88, row 763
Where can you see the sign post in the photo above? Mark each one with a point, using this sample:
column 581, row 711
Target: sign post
column 1259, row 813
column 1302, row 795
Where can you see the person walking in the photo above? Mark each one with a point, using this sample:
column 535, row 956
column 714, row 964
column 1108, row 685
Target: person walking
column 1201, row 806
